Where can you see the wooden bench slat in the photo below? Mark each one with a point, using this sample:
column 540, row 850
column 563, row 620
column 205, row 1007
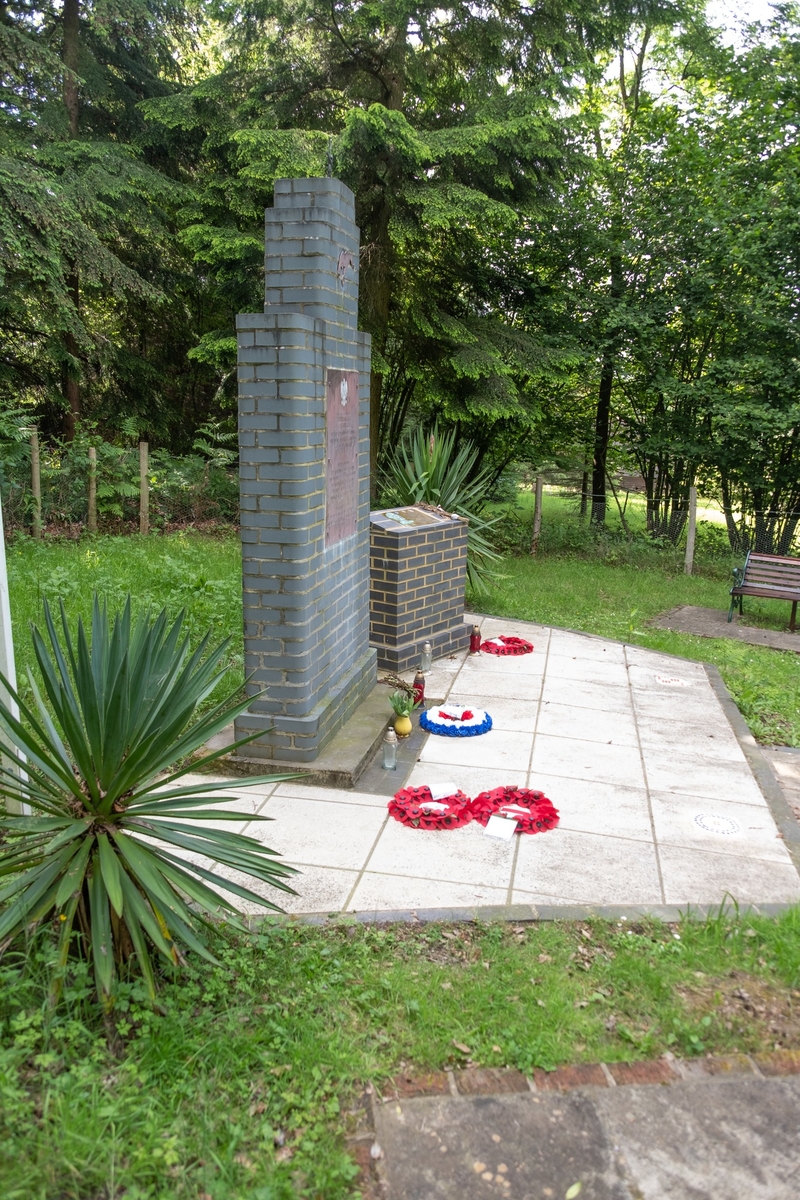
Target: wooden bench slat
column 772, row 581
column 773, row 572
column 773, row 558
column 767, row 593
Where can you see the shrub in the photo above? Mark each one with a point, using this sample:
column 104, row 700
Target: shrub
column 94, row 842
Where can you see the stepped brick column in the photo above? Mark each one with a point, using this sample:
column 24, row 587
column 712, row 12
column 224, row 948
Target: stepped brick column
column 304, row 470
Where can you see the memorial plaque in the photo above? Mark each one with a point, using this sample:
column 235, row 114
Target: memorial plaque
column 413, row 517
column 341, row 419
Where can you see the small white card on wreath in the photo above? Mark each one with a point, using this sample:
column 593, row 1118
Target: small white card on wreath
column 440, row 790
column 501, row 827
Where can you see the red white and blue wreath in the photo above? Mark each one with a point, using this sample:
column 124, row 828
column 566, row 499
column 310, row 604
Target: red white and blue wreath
column 507, row 645
column 451, row 720
column 532, row 811
column 416, row 808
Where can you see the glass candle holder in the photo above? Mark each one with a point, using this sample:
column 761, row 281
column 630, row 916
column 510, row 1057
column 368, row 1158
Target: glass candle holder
column 475, row 639
column 426, row 661
column 419, row 688
column 390, row 751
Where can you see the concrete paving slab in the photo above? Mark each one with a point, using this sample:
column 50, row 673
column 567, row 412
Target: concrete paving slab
column 471, row 780
column 713, row 622
column 587, row 670
column 586, row 695
column 692, row 736
column 591, row 725
column 743, row 830
column 629, row 756
column 464, row 855
column 714, row 1140
column 516, row 716
column 598, row 808
column 506, row 750
column 319, row 833
column 693, row 774
column 578, row 759
column 498, row 683
column 700, row 877
column 305, row 791
column 384, row 892
column 319, row 890
column 589, row 869
column 511, row 665
column 709, row 1139
column 586, row 647
column 489, row 1146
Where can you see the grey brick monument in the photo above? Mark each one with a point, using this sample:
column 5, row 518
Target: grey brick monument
column 304, row 471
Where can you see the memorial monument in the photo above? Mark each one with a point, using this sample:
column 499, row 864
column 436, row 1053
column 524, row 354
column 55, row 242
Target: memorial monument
column 304, row 478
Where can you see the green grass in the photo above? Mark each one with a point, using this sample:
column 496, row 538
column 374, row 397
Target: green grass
column 180, row 570
column 240, row 1089
column 613, row 588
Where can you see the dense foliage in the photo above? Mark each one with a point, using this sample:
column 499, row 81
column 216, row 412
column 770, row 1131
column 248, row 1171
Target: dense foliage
column 579, row 227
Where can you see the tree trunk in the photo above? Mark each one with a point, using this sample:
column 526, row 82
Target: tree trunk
column 70, row 385
column 376, row 257
column 71, row 20
column 602, row 427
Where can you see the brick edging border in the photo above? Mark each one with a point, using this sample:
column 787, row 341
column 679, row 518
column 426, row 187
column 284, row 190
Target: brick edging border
column 492, row 1081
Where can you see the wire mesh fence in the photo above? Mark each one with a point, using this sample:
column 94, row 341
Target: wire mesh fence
column 574, row 518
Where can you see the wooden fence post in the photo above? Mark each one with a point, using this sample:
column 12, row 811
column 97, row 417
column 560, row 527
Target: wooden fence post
column 691, row 531
column 144, row 491
column 91, row 522
column 537, row 516
column 36, row 486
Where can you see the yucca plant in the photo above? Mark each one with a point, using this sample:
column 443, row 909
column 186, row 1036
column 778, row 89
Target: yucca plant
column 96, row 837
column 428, row 467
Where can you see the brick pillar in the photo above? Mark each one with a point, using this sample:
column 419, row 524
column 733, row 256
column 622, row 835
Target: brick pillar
column 304, row 477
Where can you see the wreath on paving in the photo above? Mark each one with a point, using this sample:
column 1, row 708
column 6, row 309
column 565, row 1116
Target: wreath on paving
column 532, row 810
column 451, row 720
column 415, row 807
column 507, row 645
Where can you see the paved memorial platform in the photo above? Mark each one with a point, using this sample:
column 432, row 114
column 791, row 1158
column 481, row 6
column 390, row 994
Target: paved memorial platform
column 664, row 798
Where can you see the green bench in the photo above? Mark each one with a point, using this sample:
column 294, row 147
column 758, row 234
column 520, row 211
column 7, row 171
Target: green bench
column 767, row 575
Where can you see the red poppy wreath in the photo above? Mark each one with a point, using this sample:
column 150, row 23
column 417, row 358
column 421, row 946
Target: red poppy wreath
column 417, row 808
column 507, row 645
column 533, row 812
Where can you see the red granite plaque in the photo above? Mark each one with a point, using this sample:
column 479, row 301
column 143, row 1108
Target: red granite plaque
column 341, row 419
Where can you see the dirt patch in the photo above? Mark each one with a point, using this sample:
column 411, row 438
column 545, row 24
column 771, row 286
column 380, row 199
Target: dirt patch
column 758, row 1013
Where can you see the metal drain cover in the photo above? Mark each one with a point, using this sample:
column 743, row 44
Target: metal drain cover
column 713, row 823
column 671, row 681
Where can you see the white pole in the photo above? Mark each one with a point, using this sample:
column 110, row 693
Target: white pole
column 7, row 666
column 691, row 532
column 144, row 491
column 537, row 515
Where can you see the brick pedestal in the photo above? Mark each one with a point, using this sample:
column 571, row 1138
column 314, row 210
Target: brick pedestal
column 417, row 574
column 304, row 477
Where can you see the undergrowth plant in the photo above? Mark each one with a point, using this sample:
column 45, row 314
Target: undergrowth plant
column 95, row 821
column 430, row 468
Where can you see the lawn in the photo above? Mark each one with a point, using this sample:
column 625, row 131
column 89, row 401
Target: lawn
column 241, row 1087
